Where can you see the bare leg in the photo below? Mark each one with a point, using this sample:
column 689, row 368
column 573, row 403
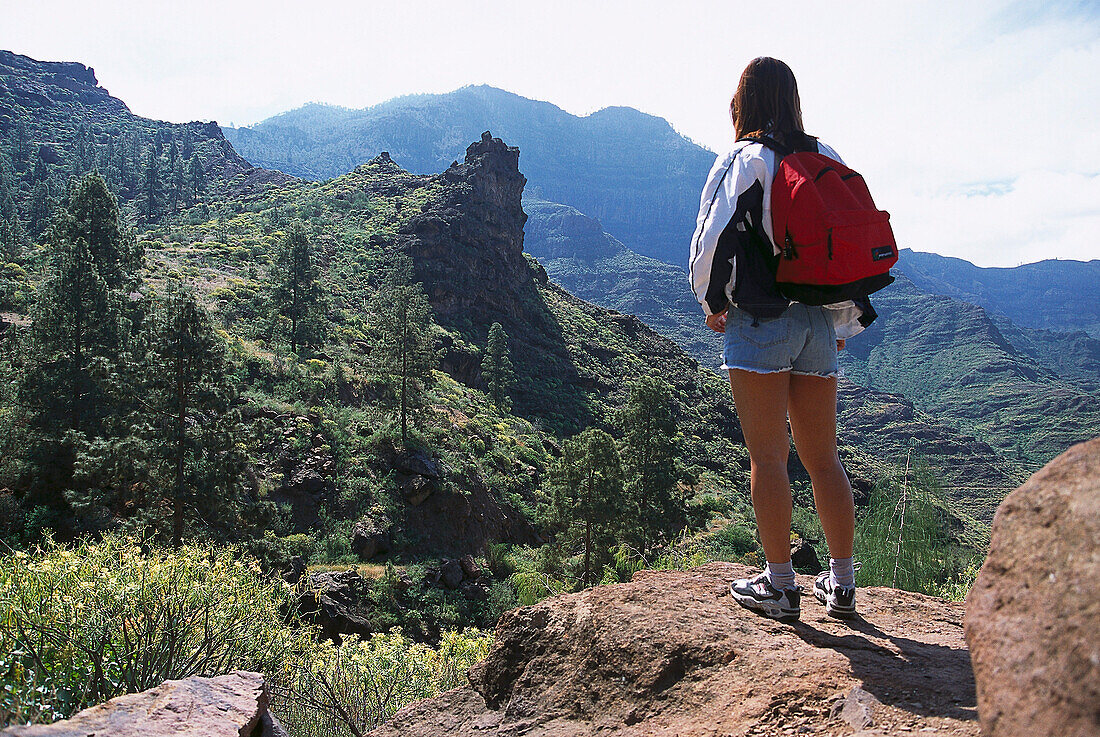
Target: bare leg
column 761, row 401
column 813, row 424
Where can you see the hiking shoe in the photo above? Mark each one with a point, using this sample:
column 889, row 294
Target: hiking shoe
column 839, row 601
column 758, row 595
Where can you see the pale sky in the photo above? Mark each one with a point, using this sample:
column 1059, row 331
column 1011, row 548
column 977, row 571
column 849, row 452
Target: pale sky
column 974, row 123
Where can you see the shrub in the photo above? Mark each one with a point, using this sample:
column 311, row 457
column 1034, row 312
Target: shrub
column 80, row 626
column 351, row 688
column 903, row 539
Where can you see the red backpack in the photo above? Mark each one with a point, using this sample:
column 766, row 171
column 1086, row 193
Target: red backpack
column 835, row 244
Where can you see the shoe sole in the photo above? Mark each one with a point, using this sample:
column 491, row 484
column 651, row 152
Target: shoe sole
column 836, row 612
column 770, row 609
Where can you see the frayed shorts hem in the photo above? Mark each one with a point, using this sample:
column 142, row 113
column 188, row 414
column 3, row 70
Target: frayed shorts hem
column 755, row 370
column 793, row 372
column 822, row 374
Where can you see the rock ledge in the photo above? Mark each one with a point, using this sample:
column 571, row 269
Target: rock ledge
column 233, row 705
column 670, row 653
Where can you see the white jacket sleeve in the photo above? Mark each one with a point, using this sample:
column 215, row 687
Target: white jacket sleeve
column 712, row 273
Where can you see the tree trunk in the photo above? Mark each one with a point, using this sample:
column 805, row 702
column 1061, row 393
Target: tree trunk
column 181, row 419
column 588, row 529
column 587, row 550
column 404, row 377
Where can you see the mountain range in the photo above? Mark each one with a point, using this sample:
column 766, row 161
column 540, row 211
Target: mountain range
column 1009, row 356
column 619, row 165
column 608, row 204
column 631, row 172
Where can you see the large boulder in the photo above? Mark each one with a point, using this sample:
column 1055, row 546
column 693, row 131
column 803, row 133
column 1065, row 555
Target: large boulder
column 1033, row 615
column 671, row 654
column 804, row 557
column 371, row 536
column 417, row 475
column 338, row 601
column 451, row 574
column 233, row 705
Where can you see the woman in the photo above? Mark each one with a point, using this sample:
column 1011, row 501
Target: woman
column 781, row 355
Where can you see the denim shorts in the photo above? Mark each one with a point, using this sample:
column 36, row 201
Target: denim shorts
column 802, row 340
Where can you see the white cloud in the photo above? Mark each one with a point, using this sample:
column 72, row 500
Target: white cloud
column 928, row 100
column 1042, row 215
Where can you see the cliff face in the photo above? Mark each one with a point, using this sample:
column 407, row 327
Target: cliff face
column 671, row 654
column 468, row 242
column 48, row 83
column 466, row 238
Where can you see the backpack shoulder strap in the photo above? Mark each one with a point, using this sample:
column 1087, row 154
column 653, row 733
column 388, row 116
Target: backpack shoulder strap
column 782, row 150
column 771, row 143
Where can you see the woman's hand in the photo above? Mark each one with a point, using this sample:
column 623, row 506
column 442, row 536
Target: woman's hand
column 840, row 344
column 717, row 322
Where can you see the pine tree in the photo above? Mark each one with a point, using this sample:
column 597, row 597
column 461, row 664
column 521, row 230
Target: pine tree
column 107, row 156
column 95, row 221
column 177, row 186
column 198, row 463
column 12, row 236
column 187, row 148
column 21, row 146
column 128, row 156
column 41, row 171
column 82, row 153
column 649, row 454
column 76, row 385
column 69, row 382
column 588, row 497
column 496, row 367
column 902, row 538
column 297, row 294
column 197, row 175
column 41, row 208
column 152, row 188
column 406, row 347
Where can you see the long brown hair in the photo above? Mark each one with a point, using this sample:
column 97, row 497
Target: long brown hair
column 766, row 101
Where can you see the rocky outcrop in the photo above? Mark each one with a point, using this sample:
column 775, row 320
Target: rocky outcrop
column 417, row 475
column 233, row 705
column 371, row 536
column 462, row 574
column 463, row 521
column 1033, row 615
column 670, row 654
column 301, row 456
column 339, row 602
column 468, row 243
column 804, row 557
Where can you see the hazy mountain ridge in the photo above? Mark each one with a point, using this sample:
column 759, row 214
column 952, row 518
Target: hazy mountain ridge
column 1056, row 294
column 1051, row 295
column 629, row 169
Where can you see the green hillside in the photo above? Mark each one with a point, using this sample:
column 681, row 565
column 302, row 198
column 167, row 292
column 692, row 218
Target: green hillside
column 56, row 122
column 1054, row 295
column 950, row 359
column 630, row 170
column 1028, row 393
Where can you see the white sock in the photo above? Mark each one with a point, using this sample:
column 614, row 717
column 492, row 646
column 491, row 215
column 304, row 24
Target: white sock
column 842, row 572
column 781, row 575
